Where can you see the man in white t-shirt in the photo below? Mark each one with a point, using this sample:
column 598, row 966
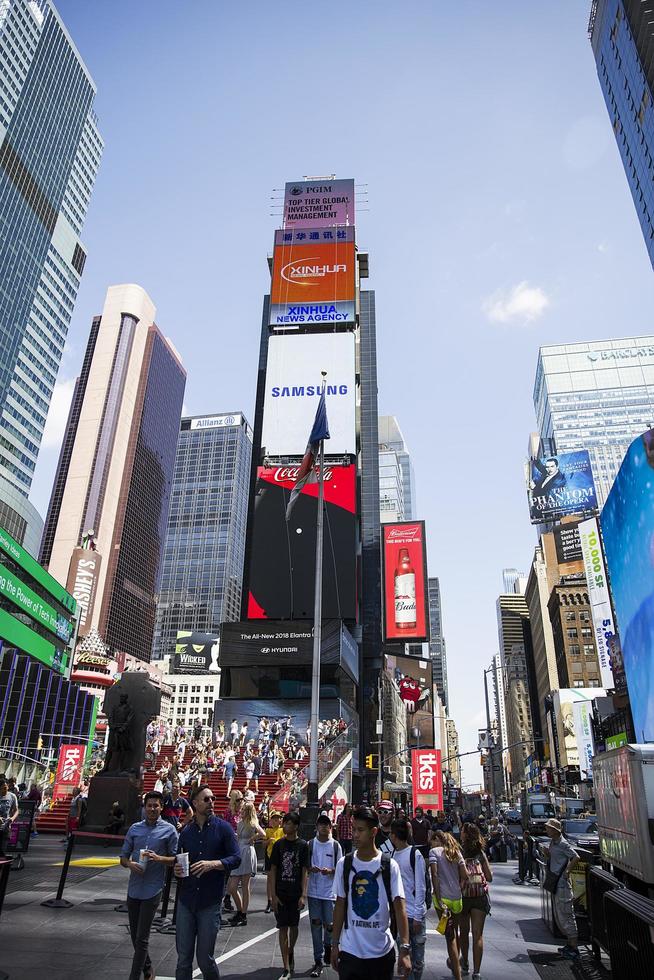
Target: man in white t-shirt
column 324, row 855
column 414, row 881
column 362, row 940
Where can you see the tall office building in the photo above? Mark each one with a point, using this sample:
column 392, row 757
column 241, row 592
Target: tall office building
column 515, row 650
column 397, row 496
column 202, row 568
column 109, row 503
column 597, row 396
column 50, row 151
column 437, row 649
column 621, row 36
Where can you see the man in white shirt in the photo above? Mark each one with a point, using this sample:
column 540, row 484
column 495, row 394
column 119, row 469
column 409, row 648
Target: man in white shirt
column 369, row 893
column 324, row 855
column 412, row 868
column 233, row 732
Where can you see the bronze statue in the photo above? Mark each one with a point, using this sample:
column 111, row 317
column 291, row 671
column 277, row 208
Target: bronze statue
column 120, row 746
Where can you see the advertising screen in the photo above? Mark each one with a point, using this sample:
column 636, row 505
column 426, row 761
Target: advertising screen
column 69, row 770
column 598, row 595
column 318, row 203
column 283, row 553
column 567, row 543
column 405, row 581
column 292, row 716
column 412, row 679
column 427, row 779
column 313, row 283
column 628, row 532
column 564, row 702
column 195, row 653
column 257, row 642
column 560, row 485
column 83, row 575
column 293, row 386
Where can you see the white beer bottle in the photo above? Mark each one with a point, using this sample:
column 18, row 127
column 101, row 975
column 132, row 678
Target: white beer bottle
column 405, row 592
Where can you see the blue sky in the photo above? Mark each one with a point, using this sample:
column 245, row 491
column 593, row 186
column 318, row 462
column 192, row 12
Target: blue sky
column 499, row 219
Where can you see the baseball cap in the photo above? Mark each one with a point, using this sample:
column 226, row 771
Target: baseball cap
column 385, row 806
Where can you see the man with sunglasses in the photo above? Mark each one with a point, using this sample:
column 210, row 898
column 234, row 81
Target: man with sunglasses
column 213, row 852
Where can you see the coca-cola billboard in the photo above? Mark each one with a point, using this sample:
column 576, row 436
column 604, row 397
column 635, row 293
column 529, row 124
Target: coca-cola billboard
column 405, row 581
column 281, row 569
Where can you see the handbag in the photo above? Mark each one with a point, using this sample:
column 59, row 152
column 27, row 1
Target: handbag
column 551, row 880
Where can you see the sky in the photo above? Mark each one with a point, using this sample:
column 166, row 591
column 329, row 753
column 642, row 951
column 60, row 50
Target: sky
column 491, row 199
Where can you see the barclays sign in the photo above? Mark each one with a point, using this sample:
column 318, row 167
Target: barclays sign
column 620, row 354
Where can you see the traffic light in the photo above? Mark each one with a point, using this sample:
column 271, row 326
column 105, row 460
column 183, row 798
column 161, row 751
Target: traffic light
column 370, row 761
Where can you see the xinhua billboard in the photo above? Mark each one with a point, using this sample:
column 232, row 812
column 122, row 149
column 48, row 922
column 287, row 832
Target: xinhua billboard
column 405, row 581
column 560, row 485
column 293, row 385
column 627, row 524
column 283, row 553
column 313, row 284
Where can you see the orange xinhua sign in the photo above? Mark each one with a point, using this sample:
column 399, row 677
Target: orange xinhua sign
column 313, row 273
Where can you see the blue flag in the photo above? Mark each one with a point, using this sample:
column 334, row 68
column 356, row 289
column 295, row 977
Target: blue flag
column 306, row 473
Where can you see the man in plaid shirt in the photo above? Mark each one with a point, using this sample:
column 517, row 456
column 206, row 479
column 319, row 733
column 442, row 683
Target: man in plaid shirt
column 344, row 829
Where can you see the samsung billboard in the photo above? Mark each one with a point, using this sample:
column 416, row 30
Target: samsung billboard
column 627, row 524
column 293, row 385
column 560, row 485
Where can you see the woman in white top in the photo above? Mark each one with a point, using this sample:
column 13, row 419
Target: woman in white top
column 248, row 832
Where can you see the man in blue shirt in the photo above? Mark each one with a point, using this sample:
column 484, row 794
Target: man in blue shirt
column 213, row 852
column 149, row 845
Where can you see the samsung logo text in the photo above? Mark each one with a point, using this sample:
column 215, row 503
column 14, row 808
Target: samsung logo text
column 300, row 391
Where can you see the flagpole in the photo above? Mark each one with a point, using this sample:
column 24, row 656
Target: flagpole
column 312, row 789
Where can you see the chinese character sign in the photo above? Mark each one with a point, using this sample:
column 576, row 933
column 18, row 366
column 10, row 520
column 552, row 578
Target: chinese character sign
column 69, row 770
column 427, row 778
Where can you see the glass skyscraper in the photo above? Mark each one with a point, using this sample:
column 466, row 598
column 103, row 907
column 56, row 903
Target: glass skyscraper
column 397, row 497
column 595, row 396
column 50, row 151
column 205, row 542
column 621, row 37
column 437, row 650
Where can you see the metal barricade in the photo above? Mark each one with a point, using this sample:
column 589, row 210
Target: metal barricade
column 629, row 919
column 598, row 883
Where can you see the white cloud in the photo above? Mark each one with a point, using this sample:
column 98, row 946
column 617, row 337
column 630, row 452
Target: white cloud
column 55, row 425
column 522, row 303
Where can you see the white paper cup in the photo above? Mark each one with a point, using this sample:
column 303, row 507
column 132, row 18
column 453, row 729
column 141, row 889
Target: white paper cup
column 182, row 862
column 143, row 858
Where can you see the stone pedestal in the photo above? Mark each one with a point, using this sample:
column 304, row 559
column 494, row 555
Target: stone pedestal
column 104, row 791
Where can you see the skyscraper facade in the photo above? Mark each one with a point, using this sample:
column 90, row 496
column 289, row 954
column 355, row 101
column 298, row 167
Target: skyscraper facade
column 596, row 396
column 112, row 485
column 202, row 568
column 397, row 496
column 620, row 34
column 437, row 650
column 50, row 150
column 515, row 650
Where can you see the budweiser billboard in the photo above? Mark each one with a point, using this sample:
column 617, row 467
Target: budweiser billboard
column 83, row 575
column 283, row 553
column 405, row 581
column 313, row 283
column 69, row 770
column 427, row 779
column 293, row 385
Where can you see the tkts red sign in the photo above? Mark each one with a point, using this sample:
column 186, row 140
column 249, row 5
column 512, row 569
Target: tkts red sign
column 427, row 778
column 69, row 770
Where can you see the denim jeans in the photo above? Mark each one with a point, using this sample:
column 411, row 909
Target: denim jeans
column 417, row 940
column 141, row 912
column 196, row 932
column 321, row 917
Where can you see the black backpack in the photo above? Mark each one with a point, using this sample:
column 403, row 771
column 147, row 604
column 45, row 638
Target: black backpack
column 385, row 871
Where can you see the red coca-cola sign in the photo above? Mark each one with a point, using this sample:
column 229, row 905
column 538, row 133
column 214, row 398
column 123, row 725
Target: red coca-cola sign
column 405, row 581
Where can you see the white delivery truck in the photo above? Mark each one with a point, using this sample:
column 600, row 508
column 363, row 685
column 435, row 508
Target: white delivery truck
column 623, row 783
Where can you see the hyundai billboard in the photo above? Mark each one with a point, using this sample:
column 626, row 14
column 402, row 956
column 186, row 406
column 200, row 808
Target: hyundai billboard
column 560, row 485
column 283, row 553
column 313, row 284
column 627, row 524
column 292, row 392
column 318, row 203
column 405, row 581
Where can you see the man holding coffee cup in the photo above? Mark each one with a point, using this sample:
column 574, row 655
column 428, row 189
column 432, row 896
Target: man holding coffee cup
column 209, row 851
column 149, row 845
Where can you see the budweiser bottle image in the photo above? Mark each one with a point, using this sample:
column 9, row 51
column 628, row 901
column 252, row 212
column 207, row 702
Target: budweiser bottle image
column 405, row 592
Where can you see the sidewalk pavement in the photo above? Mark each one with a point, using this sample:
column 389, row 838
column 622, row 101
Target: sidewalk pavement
column 91, row 939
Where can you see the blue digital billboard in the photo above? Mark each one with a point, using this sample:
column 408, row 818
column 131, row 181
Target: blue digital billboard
column 627, row 523
column 560, row 485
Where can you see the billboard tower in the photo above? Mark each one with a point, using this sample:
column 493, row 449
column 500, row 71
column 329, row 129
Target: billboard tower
column 317, row 319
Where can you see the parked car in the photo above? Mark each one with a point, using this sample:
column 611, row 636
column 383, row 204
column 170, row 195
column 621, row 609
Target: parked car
column 512, row 816
column 582, row 833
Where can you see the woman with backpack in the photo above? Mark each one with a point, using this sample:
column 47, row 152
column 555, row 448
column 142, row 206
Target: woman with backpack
column 448, row 875
column 476, row 903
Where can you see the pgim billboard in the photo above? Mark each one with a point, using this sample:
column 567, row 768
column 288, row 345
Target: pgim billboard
column 405, row 581
column 293, row 386
column 319, row 203
column 560, row 485
column 313, row 283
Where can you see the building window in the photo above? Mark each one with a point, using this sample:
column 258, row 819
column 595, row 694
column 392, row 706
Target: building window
column 572, row 633
column 574, row 650
column 569, row 617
